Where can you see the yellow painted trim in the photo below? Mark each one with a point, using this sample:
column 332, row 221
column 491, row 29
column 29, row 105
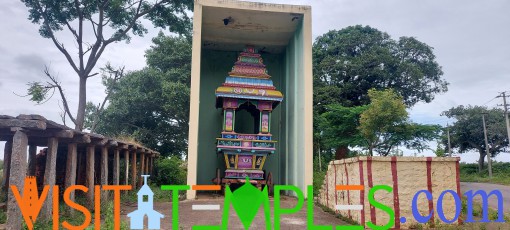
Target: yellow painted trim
column 263, row 161
column 227, row 162
column 253, row 158
column 237, row 160
column 308, row 102
column 249, row 91
column 194, row 100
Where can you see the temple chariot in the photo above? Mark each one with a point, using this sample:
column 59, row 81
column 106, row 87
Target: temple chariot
column 246, row 143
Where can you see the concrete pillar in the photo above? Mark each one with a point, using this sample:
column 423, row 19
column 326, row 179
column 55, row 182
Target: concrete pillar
column 7, row 165
column 142, row 169
column 49, row 175
column 104, row 171
column 18, row 170
column 72, row 153
column 133, row 169
column 116, row 166
column 32, row 154
column 90, row 175
column 126, row 164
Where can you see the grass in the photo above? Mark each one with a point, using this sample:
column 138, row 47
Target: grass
column 159, row 195
column 500, row 173
column 481, row 178
column 477, row 216
column 337, row 215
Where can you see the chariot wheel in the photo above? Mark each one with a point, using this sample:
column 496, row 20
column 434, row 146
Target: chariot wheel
column 218, row 177
column 217, row 180
column 269, row 183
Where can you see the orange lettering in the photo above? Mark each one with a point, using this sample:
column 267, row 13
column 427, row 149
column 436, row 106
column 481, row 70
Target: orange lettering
column 78, row 207
column 116, row 202
column 30, row 204
column 55, row 207
column 97, row 207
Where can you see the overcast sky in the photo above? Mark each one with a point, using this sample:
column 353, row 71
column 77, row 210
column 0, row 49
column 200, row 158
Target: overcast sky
column 470, row 39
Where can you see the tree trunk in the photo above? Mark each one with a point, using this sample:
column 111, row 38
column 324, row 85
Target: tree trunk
column 481, row 161
column 82, row 101
column 341, row 152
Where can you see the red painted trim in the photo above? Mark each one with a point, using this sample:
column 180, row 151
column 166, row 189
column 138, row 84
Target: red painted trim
column 429, row 185
column 348, row 193
column 457, row 171
column 327, row 188
column 336, row 192
column 362, row 192
column 396, row 202
column 373, row 218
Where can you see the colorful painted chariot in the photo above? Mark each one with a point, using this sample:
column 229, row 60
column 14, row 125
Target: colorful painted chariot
column 247, row 90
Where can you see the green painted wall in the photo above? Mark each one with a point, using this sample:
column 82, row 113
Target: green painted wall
column 215, row 66
column 293, row 164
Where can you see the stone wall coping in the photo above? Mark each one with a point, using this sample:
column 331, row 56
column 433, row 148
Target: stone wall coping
column 398, row 159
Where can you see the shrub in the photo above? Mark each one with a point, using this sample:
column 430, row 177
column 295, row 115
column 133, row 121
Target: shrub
column 169, row 170
column 318, row 180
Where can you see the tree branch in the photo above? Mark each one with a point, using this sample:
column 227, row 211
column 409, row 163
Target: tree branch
column 99, row 40
column 79, row 37
column 93, row 26
column 59, row 46
column 56, row 84
column 62, row 114
column 72, row 30
column 138, row 15
column 117, row 74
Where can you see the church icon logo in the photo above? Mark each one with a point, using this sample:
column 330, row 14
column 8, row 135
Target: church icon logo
column 145, row 208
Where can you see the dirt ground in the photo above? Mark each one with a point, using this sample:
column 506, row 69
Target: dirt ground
column 189, row 217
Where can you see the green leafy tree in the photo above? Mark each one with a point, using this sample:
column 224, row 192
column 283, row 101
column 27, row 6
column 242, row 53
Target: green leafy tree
column 349, row 62
column 105, row 22
column 380, row 126
column 152, row 104
column 385, row 125
column 440, row 151
column 466, row 134
column 340, row 126
column 386, row 114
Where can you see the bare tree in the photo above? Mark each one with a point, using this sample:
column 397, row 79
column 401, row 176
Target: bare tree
column 82, row 18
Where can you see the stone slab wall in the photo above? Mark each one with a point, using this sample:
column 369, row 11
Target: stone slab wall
column 406, row 175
